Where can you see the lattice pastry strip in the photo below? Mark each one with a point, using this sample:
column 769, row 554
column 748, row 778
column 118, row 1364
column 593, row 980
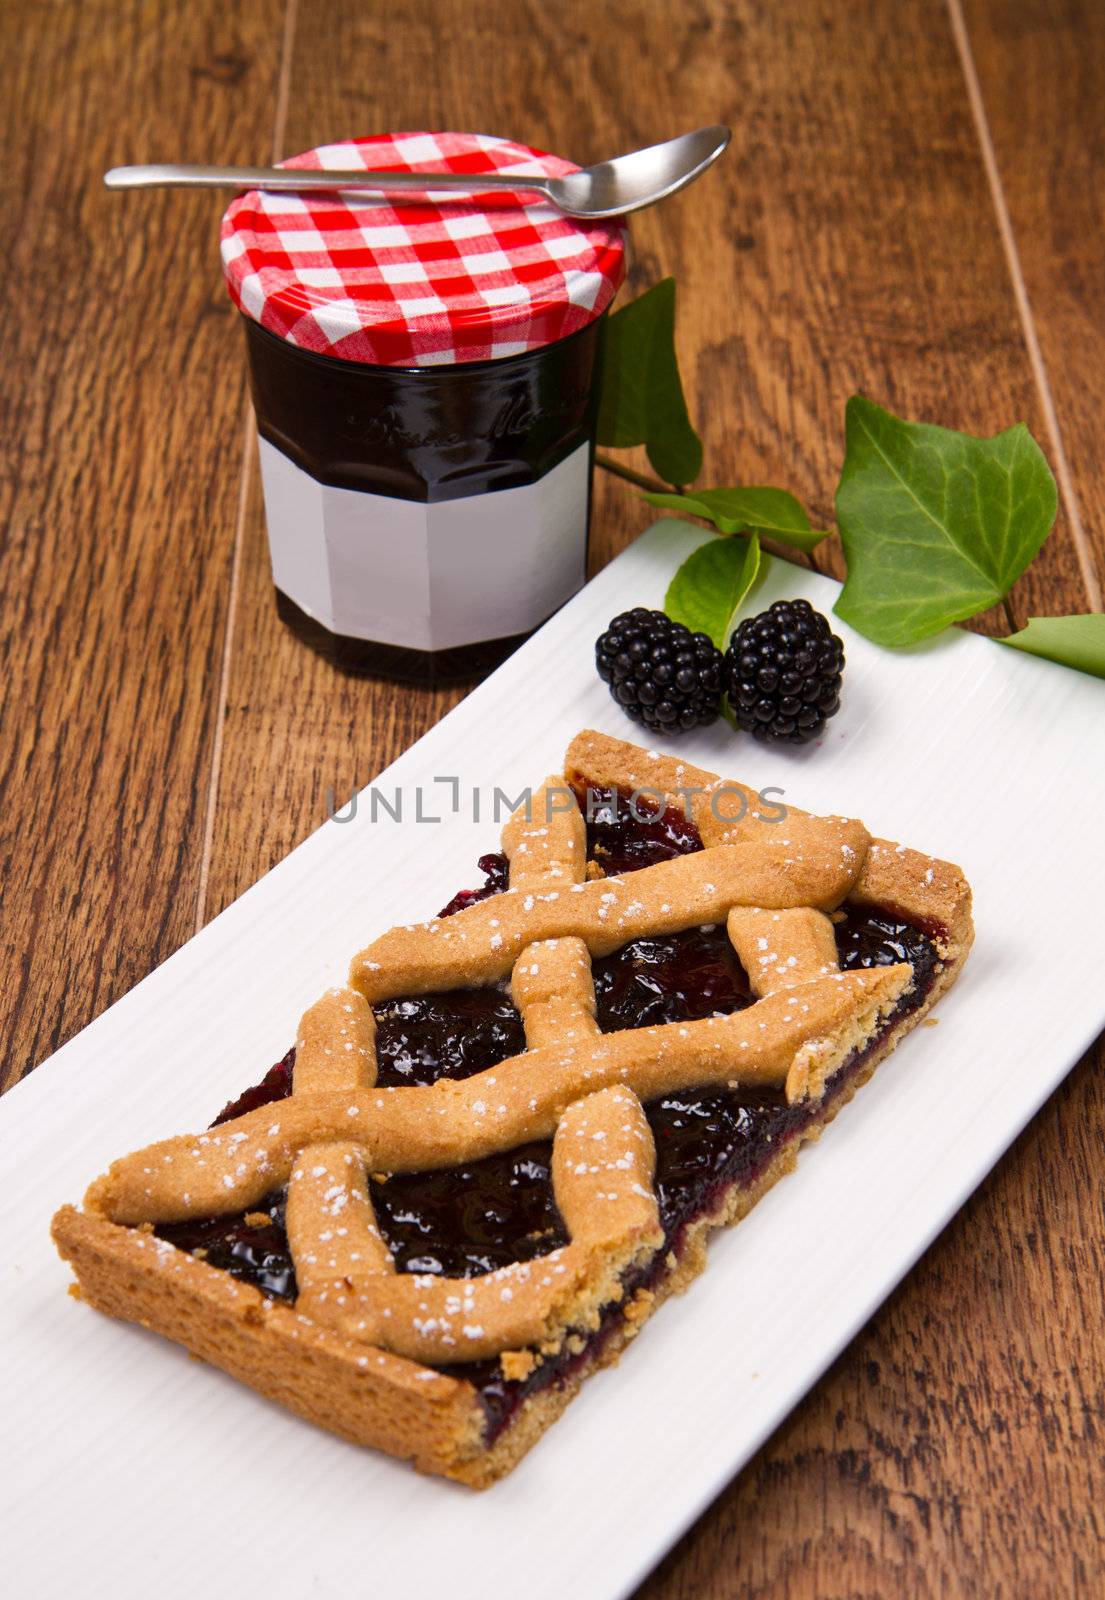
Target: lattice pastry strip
column 779, row 949
column 330, row 1220
column 482, row 943
column 448, row 1123
column 574, row 1084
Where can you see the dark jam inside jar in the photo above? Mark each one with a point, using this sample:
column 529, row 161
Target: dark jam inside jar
column 426, row 434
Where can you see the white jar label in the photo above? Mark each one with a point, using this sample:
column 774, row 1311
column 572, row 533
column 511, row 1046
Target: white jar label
column 426, row 576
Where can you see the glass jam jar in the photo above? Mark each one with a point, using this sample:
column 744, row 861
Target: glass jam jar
column 424, row 378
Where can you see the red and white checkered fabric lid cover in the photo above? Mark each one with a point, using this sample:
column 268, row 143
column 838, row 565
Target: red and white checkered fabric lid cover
column 448, row 279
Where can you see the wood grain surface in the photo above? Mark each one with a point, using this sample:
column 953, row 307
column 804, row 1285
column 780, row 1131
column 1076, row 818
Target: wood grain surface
column 119, row 479
column 911, row 207
column 1049, row 56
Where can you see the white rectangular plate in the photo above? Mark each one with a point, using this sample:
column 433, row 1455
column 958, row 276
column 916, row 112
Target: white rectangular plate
column 130, row 1465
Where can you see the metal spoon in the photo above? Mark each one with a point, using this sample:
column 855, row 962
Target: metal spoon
column 608, row 189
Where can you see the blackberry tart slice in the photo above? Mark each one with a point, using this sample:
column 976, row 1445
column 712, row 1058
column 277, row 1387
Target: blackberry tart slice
column 493, row 1155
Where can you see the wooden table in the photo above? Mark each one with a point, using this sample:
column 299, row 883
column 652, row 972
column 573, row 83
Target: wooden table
column 912, row 207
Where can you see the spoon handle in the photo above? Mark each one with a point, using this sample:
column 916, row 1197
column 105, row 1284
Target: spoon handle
column 181, row 176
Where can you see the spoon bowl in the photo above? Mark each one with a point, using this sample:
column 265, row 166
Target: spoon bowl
column 640, row 178
column 608, row 189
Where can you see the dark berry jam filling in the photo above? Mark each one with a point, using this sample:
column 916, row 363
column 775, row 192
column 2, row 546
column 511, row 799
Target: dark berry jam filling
column 495, row 869
column 623, row 835
column 471, row 1219
column 868, row 937
column 429, row 1036
column 474, row 1218
column 679, row 978
column 275, row 1085
column 246, row 1245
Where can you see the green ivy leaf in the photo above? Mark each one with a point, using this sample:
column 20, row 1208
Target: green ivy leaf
column 1077, row 641
column 710, row 586
column 936, row 525
column 770, row 511
column 641, row 396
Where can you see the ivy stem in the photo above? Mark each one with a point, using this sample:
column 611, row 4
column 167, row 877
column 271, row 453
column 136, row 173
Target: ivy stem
column 640, row 479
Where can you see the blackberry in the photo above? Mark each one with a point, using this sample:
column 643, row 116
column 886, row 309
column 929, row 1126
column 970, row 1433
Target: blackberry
column 659, row 672
column 783, row 673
